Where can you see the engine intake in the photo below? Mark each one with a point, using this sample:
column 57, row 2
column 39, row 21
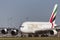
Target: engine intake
column 4, row 31
column 14, row 32
column 53, row 32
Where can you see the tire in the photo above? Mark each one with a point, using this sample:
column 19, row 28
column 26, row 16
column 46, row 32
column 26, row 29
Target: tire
column 29, row 35
column 44, row 35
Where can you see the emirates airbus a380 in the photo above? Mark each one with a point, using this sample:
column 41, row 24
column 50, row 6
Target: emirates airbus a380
column 41, row 27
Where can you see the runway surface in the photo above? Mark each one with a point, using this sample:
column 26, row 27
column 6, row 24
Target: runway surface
column 30, row 38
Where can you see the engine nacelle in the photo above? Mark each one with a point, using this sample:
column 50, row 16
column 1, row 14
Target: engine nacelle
column 14, row 32
column 4, row 31
column 53, row 32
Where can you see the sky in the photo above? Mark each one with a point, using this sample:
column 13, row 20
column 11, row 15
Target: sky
column 14, row 12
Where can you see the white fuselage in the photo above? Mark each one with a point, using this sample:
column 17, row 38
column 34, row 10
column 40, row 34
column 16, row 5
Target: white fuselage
column 32, row 27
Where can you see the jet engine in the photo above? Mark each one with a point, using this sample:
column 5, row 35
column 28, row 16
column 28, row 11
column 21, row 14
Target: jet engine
column 4, row 31
column 14, row 32
column 53, row 32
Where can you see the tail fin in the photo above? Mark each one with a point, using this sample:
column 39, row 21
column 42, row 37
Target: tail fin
column 53, row 16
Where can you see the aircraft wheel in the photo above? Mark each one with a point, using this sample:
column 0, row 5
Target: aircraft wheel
column 44, row 35
column 29, row 35
column 36, row 35
column 21, row 35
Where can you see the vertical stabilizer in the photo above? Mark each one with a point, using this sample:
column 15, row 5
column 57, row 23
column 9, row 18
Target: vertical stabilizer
column 53, row 15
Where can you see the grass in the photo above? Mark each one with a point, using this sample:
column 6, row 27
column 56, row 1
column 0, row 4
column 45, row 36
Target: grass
column 29, row 38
